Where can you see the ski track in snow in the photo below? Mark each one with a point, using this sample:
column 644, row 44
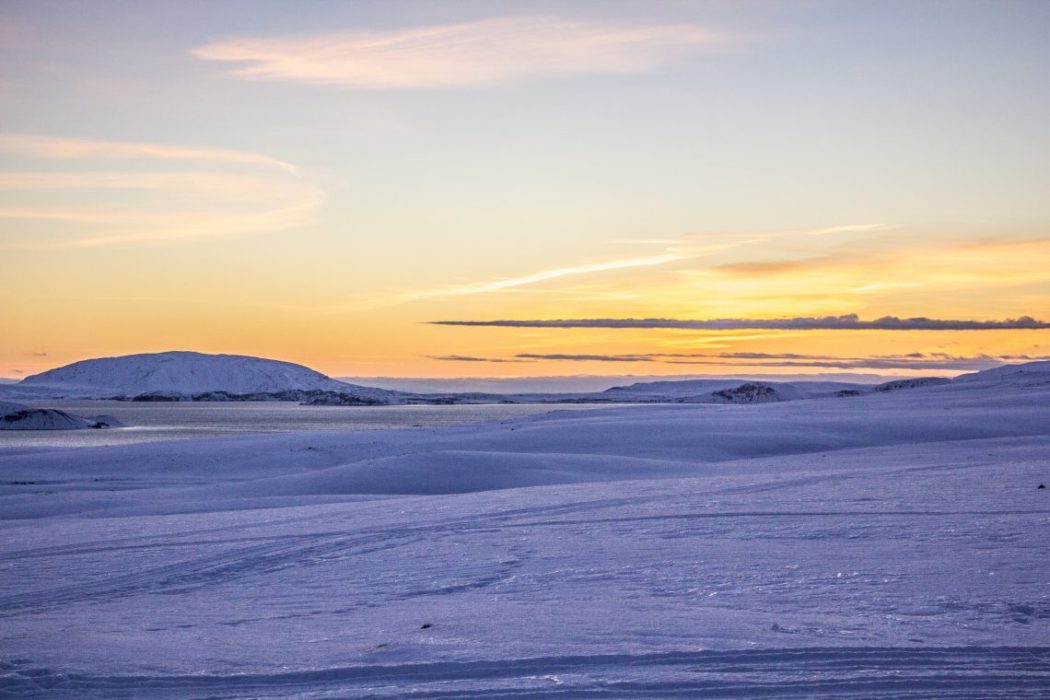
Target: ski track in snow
column 839, row 551
column 948, row 672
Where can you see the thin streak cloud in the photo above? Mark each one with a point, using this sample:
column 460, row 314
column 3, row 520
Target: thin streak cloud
column 483, row 52
column 470, row 358
column 212, row 225
column 135, row 207
column 589, row 358
column 687, row 247
column 226, row 182
column 880, row 286
column 849, row 228
column 846, row 322
column 58, row 148
column 546, row 275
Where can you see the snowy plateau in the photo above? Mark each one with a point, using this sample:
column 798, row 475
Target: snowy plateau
column 880, row 544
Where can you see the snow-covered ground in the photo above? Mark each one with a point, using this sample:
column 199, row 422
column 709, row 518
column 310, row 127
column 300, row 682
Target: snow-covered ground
column 885, row 545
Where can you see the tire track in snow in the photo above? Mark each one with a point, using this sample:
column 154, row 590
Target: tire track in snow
column 281, row 552
column 207, row 570
column 262, row 556
column 778, row 514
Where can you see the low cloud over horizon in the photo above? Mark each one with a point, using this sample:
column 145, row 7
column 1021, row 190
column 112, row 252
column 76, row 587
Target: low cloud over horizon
column 471, row 358
column 845, row 322
column 909, row 361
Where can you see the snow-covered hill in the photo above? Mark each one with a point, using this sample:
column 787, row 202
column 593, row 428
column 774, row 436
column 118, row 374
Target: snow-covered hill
column 726, row 391
column 1030, row 374
column 173, row 374
column 1027, row 374
column 14, row 416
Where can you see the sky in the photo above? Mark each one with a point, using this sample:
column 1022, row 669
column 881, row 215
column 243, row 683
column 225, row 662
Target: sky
column 422, row 188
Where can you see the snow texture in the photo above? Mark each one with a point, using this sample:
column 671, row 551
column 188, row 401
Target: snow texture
column 888, row 545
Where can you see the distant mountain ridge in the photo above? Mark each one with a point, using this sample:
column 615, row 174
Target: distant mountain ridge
column 194, row 376
column 1027, row 374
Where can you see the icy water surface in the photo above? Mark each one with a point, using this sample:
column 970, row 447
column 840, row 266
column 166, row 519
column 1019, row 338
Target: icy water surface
column 148, row 422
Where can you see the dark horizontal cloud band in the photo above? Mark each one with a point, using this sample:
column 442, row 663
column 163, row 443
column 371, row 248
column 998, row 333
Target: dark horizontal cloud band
column 911, row 361
column 471, row 358
column 847, row 322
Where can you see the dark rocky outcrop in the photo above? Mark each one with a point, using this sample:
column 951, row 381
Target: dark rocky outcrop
column 751, row 392
column 916, row 383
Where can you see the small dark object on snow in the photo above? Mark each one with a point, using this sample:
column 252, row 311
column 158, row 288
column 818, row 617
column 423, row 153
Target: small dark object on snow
column 1041, row 486
column 426, row 626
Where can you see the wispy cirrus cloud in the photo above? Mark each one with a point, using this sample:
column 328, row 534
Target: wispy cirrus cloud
column 483, row 52
column 241, row 184
column 206, row 225
column 59, row 148
column 882, row 286
column 760, row 268
column 233, row 193
column 687, row 247
column 872, row 267
column 546, row 275
column 845, row 322
column 848, row 228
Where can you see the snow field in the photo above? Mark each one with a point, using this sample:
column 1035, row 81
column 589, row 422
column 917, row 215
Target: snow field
column 888, row 546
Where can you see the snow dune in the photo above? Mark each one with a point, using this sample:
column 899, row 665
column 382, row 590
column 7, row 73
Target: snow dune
column 886, row 545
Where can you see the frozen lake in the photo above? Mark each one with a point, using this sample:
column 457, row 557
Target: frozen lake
column 150, row 422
